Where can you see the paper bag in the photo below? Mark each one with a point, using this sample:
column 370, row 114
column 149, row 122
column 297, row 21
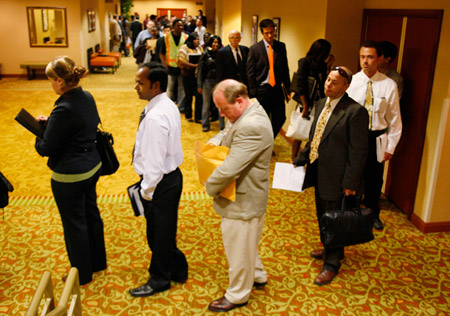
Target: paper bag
column 209, row 157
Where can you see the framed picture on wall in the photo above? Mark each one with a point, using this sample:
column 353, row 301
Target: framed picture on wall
column 254, row 29
column 44, row 20
column 277, row 22
column 91, row 20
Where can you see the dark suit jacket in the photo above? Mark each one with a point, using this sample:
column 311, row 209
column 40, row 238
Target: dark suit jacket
column 258, row 65
column 69, row 138
column 136, row 28
column 342, row 150
column 227, row 67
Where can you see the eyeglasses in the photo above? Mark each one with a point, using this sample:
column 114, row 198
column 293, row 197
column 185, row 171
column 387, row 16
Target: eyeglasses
column 342, row 72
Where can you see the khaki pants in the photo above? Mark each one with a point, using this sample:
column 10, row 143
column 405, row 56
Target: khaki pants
column 241, row 239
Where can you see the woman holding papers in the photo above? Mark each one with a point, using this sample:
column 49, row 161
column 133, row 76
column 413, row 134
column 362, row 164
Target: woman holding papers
column 188, row 58
column 69, row 142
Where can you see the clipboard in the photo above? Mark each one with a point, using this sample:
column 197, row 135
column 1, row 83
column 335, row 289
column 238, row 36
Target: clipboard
column 30, row 123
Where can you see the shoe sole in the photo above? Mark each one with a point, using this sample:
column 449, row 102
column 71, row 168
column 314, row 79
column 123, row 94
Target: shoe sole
column 226, row 310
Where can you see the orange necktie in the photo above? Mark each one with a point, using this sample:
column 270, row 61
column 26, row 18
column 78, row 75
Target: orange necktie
column 271, row 71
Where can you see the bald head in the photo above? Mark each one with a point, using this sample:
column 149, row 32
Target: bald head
column 231, row 98
column 235, row 38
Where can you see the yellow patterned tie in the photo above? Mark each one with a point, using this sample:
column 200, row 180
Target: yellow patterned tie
column 320, row 127
column 369, row 102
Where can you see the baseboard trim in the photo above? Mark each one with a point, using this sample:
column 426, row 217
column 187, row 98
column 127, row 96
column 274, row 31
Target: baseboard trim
column 437, row 227
column 14, row 75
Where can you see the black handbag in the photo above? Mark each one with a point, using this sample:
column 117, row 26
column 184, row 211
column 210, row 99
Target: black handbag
column 348, row 226
column 5, row 187
column 105, row 142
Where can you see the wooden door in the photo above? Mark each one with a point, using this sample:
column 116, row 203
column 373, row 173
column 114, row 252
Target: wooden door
column 179, row 13
column 416, row 34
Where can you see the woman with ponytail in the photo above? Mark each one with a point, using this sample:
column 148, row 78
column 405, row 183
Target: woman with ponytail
column 69, row 142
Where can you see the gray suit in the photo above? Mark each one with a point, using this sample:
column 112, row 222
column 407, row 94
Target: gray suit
column 342, row 156
column 250, row 140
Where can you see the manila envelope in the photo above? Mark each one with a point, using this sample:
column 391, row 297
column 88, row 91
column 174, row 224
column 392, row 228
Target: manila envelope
column 209, row 157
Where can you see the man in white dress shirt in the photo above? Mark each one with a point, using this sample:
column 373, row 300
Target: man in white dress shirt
column 157, row 156
column 379, row 94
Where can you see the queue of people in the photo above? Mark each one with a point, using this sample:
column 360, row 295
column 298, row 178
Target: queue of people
column 340, row 155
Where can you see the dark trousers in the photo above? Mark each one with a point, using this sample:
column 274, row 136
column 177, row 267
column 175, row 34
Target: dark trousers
column 190, row 90
column 168, row 262
column 272, row 100
column 331, row 256
column 83, row 226
column 373, row 175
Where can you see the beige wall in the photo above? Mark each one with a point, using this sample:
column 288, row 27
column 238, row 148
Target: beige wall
column 144, row 7
column 433, row 186
column 15, row 38
column 229, row 17
column 343, row 31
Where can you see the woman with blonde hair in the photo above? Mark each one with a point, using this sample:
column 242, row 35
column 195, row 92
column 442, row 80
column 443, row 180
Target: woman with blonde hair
column 69, row 142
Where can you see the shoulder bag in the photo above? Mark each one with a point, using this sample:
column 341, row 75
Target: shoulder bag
column 299, row 126
column 348, row 226
column 5, row 187
column 105, row 142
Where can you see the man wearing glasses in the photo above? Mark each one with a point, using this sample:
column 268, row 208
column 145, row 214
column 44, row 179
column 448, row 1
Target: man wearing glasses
column 379, row 95
column 335, row 156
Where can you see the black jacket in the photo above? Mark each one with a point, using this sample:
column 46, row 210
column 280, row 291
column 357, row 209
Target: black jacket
column 69, row 138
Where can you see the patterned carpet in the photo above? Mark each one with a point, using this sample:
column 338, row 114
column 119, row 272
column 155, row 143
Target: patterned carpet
column 401, row 272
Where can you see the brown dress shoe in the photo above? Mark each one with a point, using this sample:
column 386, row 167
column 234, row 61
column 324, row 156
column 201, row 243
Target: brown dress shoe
column 317, row 254
column 325, row 277
column 223, row 305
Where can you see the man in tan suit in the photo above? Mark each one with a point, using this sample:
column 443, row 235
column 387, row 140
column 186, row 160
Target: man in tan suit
column 249, row 136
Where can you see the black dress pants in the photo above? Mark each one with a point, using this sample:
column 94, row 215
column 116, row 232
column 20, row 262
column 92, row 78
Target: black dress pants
column 190, row 90
column 373, row 175
column 83, row 226
column 331, row 256
column 272, row 100
column 168, row 262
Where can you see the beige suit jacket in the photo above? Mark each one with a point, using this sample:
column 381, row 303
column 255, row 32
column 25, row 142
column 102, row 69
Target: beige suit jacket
column 250, row 139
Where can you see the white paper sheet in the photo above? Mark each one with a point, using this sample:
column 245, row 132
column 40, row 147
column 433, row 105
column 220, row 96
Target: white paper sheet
column 287, row 177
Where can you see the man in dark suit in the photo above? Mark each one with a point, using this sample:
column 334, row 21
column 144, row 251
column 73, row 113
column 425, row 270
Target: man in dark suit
column 267, row 71
column 136, row 28
column 231, row 60
column 335, row 156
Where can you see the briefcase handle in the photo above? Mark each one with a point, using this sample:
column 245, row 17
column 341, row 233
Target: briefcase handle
column 351, row 202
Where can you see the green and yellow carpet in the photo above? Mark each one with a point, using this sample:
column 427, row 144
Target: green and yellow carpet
column 401, row 272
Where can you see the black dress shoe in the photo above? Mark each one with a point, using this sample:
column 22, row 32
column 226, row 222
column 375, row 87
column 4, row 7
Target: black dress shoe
column 223, row 305
column 259, row 284
column 147, row 290
column 378, row 225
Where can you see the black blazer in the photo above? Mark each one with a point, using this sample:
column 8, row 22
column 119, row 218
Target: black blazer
column 342, row 150
column 69, row 138
column 258, row 65
column 227, row 67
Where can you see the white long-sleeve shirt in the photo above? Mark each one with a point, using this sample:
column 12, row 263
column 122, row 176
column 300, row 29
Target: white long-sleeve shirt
column 386, row 106
column 158, row 143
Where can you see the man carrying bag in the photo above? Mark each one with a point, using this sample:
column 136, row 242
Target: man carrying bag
column 335, row 156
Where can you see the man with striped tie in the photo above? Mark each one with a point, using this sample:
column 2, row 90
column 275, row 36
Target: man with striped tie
column 379, row 95
column 335, row 156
